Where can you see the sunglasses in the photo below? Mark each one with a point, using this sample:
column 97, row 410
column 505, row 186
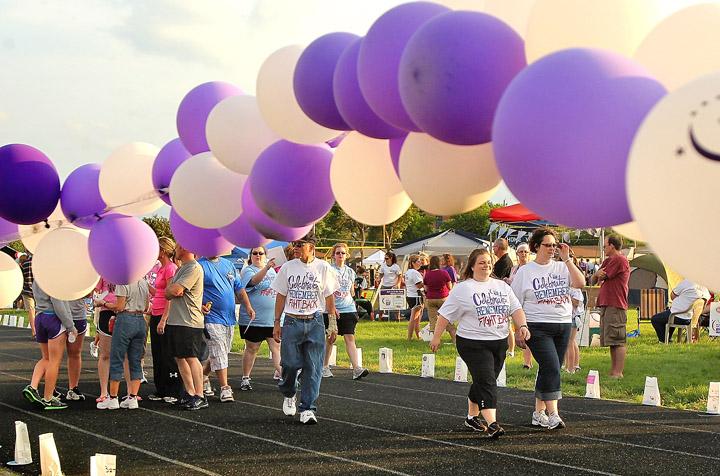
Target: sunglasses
column 340, row 253
column 258, row 253
column 522, row 252
column 298, row 244
column 387, row 257
column 550, row 245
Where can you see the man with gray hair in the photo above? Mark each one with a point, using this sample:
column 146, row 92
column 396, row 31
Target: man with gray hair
column 503, row 266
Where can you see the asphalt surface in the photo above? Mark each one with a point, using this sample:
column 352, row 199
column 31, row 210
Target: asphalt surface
column 384, row 424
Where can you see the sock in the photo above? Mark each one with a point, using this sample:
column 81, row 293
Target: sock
column 132, row 395
column 114, row 397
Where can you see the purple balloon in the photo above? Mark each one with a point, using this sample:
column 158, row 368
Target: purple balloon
column 570, row 115
column 166, row 163
column 313, row 79
column 242, row 234
column 122, row 249
column 29, row 184
column 8, row 231
column 201, row 241
column 80, row 197
column 349, row 99
column 266, row 225
column 395, row 146
column 194, row 110
column 453, row 72
column 379, row 59
column 335, row 141
column 291, row 182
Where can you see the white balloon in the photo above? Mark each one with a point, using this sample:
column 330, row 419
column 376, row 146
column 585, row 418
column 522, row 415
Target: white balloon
column 515, row 13
column 362, row 160
column 126, row 179
column 11, row 279
column 30, row 235
column 62, row 267
column 672, row 179
column 682, row 47
column 617, row 25
column 237, row 133
column 476, row 179
column 276, row 99
column 629, row 230
column 205, row 193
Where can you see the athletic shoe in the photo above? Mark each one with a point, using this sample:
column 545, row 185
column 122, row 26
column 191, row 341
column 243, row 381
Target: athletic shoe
column 326, row 372
column 154, row 398
column 495, row 431
column 226, row 394
column 203, row 403
column 277, row 376
column 308, row 418
column 360, row 373
column 475, row 424
column 100, row 399
column 129, row 403
column 555, row 422
column 57, row 394
column 245, row 384
column 108, row 404
column 184, row 399
column 53, row 404
column 511, row 354
column 144, row 377
column 74, row 394
column 540, row 419
column 170, row 400
column 31, row 394
column 207, row 389
column 195, row 403
column 289, row 406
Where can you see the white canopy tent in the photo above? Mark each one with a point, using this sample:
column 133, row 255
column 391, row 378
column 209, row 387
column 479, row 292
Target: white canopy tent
column 457, row 243
column 376, row 258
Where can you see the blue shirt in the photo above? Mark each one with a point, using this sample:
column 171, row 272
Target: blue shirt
column 220, row 282
column 262, row 297
column 344, row 301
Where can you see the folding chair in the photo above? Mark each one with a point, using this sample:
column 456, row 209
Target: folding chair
column 696, row 309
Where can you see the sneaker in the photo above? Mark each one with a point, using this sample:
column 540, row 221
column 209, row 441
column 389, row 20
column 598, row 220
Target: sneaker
column 360, row 373
column 226, row 394
column 245, row 384
column 155, row 398
column 308, row 417
column 326, row 372
column 195, row 403
column 129, row 403
column 108, row 404
column 31, row 394
column 511, row 354
column 277, row 375
column 203, row 403
column 495, row 431
column 540, row 419
column 183, row 400
column 170, row 400
column 74, row 394
column 57, row 394
column 53, row 404
column 475, row 424
column 289, row 406
column 144, row 377
column 100, row 399
column 207, row 389
column 555, row 422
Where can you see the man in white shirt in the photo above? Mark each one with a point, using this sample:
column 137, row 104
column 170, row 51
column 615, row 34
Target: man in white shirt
column 683, row 297
column 305, row 288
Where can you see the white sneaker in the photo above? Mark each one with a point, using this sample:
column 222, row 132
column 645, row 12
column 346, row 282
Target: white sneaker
column 170, row 399
column 540, row 419
column 326, row 372
column 207, row 389
column 554, row 421
column 226, row 394
column 289, row 406
column 308, row 418
column 511, row 354
column 129, row 403
column 360, row 373
column 108, row 404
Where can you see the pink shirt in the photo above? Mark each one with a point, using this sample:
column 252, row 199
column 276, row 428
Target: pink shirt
column 164, row 275
column 106, row 287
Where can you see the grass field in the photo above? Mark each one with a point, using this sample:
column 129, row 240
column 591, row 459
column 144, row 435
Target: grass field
column 683, row 371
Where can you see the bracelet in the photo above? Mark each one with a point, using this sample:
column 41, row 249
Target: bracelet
column 524, row 325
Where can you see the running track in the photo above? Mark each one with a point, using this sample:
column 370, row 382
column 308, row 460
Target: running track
column 384, row 424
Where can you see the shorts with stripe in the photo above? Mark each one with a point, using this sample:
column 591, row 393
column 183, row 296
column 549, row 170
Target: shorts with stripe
column 219, row 344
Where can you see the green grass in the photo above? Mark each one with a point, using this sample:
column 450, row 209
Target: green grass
column 683, row 371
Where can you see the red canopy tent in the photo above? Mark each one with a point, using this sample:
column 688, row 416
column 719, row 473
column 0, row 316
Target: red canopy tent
column 514, row 213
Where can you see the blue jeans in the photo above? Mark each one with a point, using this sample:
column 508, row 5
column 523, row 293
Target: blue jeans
column 659, row 321
column 548, row 344
column 302, row 347
column 128, row 339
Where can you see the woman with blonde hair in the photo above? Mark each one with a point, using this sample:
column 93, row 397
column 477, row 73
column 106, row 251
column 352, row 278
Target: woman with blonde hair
column 413, row 285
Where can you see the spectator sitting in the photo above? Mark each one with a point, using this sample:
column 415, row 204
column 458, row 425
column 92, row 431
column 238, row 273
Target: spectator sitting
column 683, row 297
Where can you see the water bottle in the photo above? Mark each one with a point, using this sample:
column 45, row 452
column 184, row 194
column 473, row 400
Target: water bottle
column 71, row 337
column 94, row 350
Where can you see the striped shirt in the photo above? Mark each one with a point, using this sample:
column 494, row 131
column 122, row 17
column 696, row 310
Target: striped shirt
column 27, row 277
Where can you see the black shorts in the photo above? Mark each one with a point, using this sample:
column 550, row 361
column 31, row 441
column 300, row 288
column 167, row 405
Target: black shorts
column 185, row 342
column 106, row 322
column 413, row 301
column 255, row 334
column 346, row 324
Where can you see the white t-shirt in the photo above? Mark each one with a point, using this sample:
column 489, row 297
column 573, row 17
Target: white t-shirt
column 389, row 274
column 544, row 292
column 481, row 309
column 687, row 293
column 577, row 294
column 305, row 285
column 412, row 277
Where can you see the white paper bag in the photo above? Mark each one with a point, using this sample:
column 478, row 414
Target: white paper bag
column 49, row 459
column 21, row 321
column 714, row 329
column 651, row 395
column 5, row 320
column 333, row 356
column 713, row 401
column 428, row 366
column 102, row 465
column 592, row 385
column 425, row 333
column 461, row 370
column 385, row 360
column 23, row 451
column 502, row 378
column 13, row 321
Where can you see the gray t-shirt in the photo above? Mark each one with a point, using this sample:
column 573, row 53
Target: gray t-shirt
column 137, row 294
column 78, row 309
column 186, row 310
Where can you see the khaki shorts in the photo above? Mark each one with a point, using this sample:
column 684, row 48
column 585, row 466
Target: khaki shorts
column 613, row 326
column 28, row 302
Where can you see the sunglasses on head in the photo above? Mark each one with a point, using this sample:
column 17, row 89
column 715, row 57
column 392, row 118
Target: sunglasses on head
column 258, row 253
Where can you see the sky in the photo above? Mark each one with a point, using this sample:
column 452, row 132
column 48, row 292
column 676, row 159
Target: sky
column 82, row 78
